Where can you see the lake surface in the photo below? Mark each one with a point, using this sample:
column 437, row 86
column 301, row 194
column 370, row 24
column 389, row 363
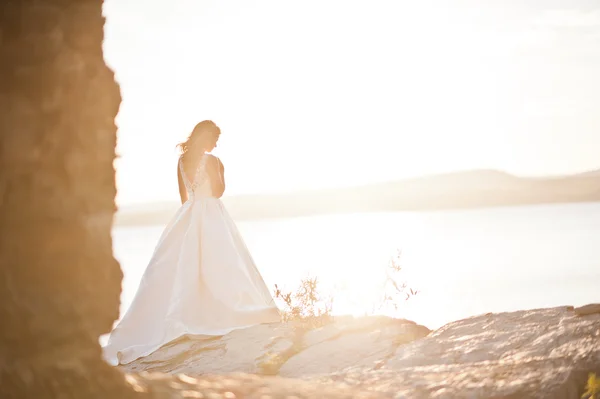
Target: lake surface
column 463, row 263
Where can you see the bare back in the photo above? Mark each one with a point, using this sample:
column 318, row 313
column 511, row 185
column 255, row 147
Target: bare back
column 203, row 176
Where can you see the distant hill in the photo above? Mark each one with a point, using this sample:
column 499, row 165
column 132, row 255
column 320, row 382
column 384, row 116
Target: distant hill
column 470, row 189
column 593, row 173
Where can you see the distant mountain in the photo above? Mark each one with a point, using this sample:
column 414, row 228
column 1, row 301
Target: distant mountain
column 592, row 173
column 470, row 189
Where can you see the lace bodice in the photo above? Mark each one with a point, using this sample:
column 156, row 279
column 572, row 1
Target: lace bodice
column 200, row 185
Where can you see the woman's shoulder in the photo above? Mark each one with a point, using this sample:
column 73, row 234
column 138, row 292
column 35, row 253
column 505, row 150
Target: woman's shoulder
column 212, row 159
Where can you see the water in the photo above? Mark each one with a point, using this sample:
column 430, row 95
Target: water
column 463, row 263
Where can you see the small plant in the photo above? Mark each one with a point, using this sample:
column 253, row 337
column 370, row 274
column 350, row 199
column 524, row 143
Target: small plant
column 306, row 304
column 592, row 387
column 310, row 309
column 271, row 363
column 395, row 289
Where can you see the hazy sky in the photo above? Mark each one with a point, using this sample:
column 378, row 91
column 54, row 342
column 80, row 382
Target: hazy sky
column 329, row 93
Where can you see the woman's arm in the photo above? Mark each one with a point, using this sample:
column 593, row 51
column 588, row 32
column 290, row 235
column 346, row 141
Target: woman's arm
column 217, row 176
column 182, row 189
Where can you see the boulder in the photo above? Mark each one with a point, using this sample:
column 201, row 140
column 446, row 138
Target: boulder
column 286, row 349
column 540, row 353
column 534, row 353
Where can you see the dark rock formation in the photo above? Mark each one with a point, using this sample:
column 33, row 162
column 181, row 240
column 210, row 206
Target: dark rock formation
column 59, row 283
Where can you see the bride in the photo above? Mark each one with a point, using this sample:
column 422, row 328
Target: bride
column 201, row 279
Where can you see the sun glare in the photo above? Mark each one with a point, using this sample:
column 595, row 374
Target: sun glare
column 338, row 94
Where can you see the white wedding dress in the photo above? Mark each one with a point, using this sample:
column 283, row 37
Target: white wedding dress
column 201, row 280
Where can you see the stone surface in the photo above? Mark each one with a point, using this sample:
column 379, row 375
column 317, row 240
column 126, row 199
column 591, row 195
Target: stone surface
column 285, row 349
column 543, row 353
column 526, row 354
column 587, row 309
column 238, row 351
column 246, row 386
column 354, row 342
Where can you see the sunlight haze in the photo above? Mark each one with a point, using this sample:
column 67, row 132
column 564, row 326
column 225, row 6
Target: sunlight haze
column 318, row 94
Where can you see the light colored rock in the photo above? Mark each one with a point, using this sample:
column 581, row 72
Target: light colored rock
column 241, row 386
column 540, row 353
column 344, row 324
column 508, row 337
column 592, row 308
column 239, row 351
column 351, row 343
column 285, row 349
column 543, row 353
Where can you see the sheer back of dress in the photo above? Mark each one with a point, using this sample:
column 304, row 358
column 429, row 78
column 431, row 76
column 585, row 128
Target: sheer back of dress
column 199, row 185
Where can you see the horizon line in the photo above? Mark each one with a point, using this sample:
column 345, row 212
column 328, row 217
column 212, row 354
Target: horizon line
column 362, row 185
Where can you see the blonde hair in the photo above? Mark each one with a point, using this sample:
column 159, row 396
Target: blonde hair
column 198, row 132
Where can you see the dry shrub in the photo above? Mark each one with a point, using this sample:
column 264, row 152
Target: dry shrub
column 307, row 304
column 394, row 289
column 309, row 307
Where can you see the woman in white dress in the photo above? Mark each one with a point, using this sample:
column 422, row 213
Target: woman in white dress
column 201, row 279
